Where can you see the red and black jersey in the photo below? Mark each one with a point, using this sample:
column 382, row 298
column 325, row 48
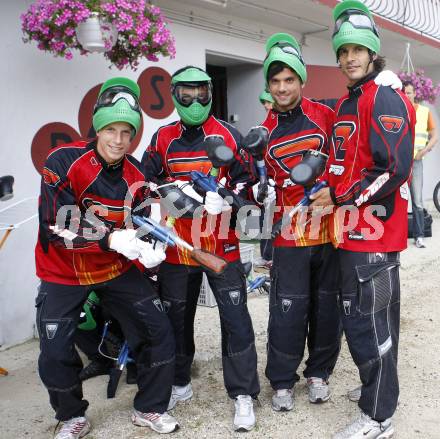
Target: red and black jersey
column 82, row 200
column 176, row 150
column 307, row 126
column 369, row 165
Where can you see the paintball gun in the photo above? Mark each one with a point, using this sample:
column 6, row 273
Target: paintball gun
column 305, row 174
column 219, row 155
column 255, row 143
column 149, row 227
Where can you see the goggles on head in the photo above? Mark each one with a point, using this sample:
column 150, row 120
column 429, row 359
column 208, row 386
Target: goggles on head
column 357, row 19
column 109, row 97
column 287, row 48
column 188, row 93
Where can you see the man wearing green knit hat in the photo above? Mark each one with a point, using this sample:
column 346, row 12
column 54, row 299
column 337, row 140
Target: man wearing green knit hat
column 368, row 168
column 86, row 242
column 306, row 309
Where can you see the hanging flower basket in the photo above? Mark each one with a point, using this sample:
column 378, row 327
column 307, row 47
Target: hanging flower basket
column 423, row 86
column 95, row 34
column 59, row 27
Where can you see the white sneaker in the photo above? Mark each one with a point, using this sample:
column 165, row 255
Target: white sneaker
column 244, row 419
column 161, row 423
column 318, row 390
column 355, row 394
column 282, row 400
column 180, row 393
column 366, row 428
column 74, row 428
column 420, row 243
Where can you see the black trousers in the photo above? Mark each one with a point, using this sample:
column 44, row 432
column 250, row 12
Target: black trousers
column 303, row 305
column 371, row 316
column 131, row 299
column 179, row 291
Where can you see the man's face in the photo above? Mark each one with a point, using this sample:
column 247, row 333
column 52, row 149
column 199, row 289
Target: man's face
column 354, row 61
column 286, row 89
column 410, row 93
column 114, row 141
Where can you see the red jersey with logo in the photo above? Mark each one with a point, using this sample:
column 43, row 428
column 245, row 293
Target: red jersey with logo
column 176, row 150
column 369, row 165
column 81, row 200
column 307, row 126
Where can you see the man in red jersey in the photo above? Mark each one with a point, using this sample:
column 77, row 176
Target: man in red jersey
column 304, row 287
column 369, row 165
column 175, row 150
column 87, row 193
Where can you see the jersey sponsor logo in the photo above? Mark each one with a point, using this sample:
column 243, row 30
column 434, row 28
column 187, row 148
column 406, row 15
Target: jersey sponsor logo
column 342, row 133
column 392, row 124
column 286, row 153
column 107, row 212
column 51, row 178
column 336, row 169
column 182, row 166
column 372, row 189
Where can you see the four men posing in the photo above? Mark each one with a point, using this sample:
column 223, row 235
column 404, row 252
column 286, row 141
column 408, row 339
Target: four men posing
column 86, row 240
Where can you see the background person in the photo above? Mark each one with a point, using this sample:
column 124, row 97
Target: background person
column 425, row 140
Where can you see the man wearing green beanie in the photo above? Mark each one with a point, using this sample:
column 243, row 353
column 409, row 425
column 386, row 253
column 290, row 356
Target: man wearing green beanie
column 368, row 168
column 303, row 304
column 86, row 243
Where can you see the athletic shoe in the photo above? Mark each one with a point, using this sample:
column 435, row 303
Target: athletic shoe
column 161, row 423
column 318, row 390
column 74, row 428
column 366, row 428
column 420, row 243
column 95, row 368
column 180, row 393
column 282, row 400
column 244, row 419
column 355, row 394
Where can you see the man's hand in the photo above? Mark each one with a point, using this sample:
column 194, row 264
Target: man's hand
column 271, row 196
column 213, row 203
column 151, row 255
column 125, row 242
column 321, row 198
column 419, row 155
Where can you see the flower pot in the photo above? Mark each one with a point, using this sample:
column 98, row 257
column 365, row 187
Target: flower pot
column 96, row 35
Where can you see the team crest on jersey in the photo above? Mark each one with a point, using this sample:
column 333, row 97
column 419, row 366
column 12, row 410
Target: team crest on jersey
column 51, row 178
column 342, row 133
column 107, row 212
column 286, row 153
column 181, row 166
column 392, row 124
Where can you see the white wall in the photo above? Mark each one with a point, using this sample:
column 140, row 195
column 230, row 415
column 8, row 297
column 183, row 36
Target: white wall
column 245, row 83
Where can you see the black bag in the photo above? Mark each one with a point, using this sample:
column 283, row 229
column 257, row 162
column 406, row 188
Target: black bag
column 428, row 224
